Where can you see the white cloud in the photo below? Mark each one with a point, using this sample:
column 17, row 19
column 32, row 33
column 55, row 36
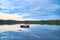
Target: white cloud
column 25, row 14
column 34, row 9
column 50, row 17
column 10, row 16
column 52, row 7
column 15, row 16
column 5, row 4
column 33, row 6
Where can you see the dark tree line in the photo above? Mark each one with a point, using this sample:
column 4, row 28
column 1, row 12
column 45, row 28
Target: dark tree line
column 51, row 22
column 8, row 22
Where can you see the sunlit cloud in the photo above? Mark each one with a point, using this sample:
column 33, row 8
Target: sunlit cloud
column 15, row 16
column 10, row 16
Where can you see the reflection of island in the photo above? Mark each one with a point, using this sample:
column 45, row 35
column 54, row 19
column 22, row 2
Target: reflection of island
column 11, row 22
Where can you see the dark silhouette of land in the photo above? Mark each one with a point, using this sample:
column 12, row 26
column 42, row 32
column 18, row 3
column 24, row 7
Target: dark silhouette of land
column 11, row 22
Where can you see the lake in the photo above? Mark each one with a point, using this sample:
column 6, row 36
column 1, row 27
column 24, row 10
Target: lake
column 34, row 32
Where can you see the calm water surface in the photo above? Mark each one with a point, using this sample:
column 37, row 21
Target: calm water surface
column 34, row 32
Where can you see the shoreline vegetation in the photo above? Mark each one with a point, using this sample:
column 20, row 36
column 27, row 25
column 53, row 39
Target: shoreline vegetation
column 11, row 22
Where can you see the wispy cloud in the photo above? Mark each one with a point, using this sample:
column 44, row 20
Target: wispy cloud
column 49, row 17
column 35, row 9
column 30, row 8
column 15, row 16
column 10, row 16
column 52, row 7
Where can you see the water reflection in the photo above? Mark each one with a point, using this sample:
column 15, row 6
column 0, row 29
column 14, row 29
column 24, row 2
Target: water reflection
column 34, row 32
column 9, row 28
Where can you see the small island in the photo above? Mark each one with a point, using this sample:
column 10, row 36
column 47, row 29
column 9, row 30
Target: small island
column 24, row 26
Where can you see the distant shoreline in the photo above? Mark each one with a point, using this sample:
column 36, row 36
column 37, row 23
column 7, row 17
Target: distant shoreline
column 11, row 22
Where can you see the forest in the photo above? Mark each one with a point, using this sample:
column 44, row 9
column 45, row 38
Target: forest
column 11, row 22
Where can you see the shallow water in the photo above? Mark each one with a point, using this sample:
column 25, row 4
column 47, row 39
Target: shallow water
column 34, row 32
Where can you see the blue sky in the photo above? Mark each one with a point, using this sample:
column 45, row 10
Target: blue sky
column 35, row 9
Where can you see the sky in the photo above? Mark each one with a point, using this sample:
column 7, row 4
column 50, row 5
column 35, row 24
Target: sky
column 30, row 9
